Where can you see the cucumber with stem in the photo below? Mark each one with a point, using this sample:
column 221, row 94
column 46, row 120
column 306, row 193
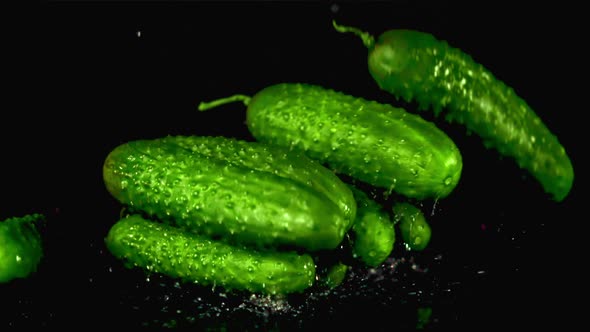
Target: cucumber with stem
column 379, row 144
column 416, row 66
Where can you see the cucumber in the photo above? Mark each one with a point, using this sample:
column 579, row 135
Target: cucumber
column 373, row 232
column 379, row 144
column 246, row 192
column 415, row 230
column 160, row 248
column 416, row 66
column 284, row 163
column 21, row 247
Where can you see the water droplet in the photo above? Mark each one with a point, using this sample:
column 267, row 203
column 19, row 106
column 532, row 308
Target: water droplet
column 448, row 180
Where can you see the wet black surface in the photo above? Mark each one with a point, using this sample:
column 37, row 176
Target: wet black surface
column 502, row 253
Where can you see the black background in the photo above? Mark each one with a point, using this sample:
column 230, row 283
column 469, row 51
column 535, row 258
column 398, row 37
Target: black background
column 93, row 75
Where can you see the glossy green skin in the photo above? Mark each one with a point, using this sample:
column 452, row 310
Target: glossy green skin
column 246, row 192
column 373, row 232
column 414, row 228
column 165, row 249
column 281, row 162
column 416, row 66
column 21, row 247
column 336, row 275
column 376, row 143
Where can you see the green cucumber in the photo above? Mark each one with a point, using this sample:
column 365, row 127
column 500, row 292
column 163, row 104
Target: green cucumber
column 379, row 144
column 21, row 247
column 247, row 192
column 415, row 230
column 414, row 65
column 373, row 232
column 160, row 248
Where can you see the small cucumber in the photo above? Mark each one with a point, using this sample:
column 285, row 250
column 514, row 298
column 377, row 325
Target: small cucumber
column 247, row 192
column 373, row 232
column 21, row 247
column 165, row 249
column 335, row 275
column 414, row 228
column 379, row 144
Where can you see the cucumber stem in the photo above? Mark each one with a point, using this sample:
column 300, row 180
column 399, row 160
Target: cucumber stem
column 203, row 106
column 368, row 39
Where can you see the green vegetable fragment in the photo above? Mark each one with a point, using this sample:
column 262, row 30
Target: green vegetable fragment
column 21, row 247
column 161, row 248
column 373, row 232
column 335, row 275
column 415, row 230
column 424, row 315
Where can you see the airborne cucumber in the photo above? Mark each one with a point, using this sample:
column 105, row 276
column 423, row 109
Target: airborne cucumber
column 414, row 65
column 160, row 248
column 247, row 192
column 376, row 143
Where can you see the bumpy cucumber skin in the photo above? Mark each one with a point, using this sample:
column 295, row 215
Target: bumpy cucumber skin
column 373, row 232
column 416, row 66
column 281, row 162
column 213, row 188
column 376, row 143
column 161, row 248
column 415, row 230
column 21, row 247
